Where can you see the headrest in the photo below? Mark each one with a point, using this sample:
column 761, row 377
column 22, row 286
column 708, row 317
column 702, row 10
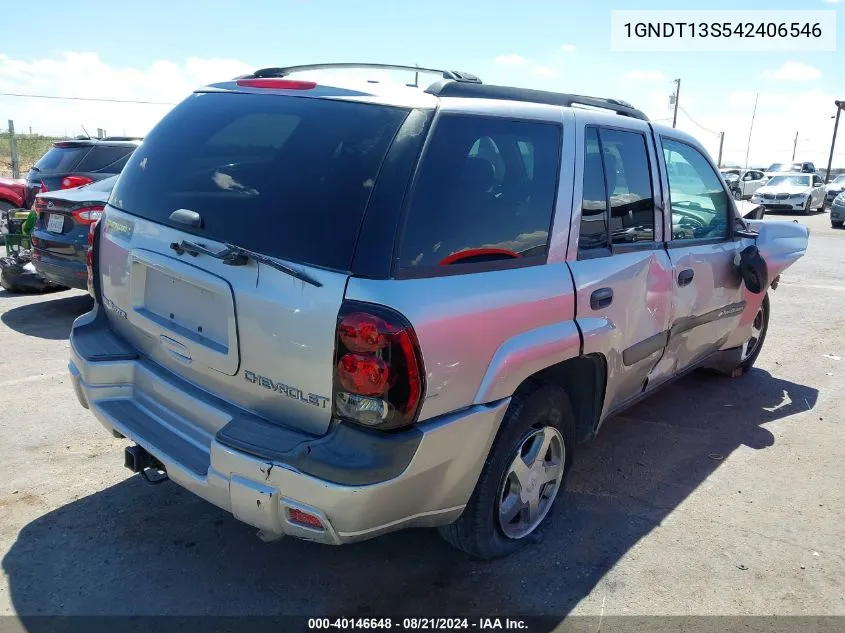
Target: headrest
column 478, row 175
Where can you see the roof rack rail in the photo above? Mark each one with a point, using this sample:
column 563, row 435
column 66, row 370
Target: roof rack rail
column 479, row 91
column 454, row 75
column 122, row 138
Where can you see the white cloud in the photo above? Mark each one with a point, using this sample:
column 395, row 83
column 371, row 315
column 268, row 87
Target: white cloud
column 84, row 74
column 644, row 75
column 793, row 71
column 545, row 71
column 568, row 48
column 511, row 60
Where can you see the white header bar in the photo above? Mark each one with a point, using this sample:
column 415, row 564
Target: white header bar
column 718, row 30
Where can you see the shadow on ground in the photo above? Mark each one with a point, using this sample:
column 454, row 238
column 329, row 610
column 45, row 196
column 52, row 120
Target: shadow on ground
column 136, row 549
column 50, row 319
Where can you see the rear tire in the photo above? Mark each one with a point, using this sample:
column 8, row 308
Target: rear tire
column 496, row 521
column 751, row 349
column 807, row 206
column 836, row 225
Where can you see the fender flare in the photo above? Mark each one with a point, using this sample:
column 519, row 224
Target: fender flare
column 526, row 354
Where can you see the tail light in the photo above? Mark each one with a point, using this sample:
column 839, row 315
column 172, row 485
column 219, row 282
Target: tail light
column 88, row 215
column 89, row 256
column 378, row 376
column 42, row 188
column 69, row 182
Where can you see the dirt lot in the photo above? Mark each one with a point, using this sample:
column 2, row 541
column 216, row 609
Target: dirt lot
column 716, row 496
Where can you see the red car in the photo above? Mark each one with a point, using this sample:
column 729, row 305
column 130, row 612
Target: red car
column 12, row 193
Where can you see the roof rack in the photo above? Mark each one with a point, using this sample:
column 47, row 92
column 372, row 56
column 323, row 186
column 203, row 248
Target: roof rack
column 122, row 138
column 479, row 91
column 454, row 75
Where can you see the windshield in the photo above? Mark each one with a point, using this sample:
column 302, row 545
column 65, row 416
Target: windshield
column 840, row 180
column 799, row 181
column 288, row 177
column 780, row 167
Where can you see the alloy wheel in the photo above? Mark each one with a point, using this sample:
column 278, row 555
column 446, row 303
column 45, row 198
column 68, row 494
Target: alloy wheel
column 532, row 482
column 753, row 342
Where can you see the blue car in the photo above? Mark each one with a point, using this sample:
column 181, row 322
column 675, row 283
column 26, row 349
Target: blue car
column 60, row 236
column 837, row 211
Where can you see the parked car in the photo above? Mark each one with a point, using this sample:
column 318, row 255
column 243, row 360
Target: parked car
column 279, row 333
column 12, row 196
column 69, row 164
column 791, row 192
column 834, row 188
column 803, row 168
column 837, row 211
column 743, row 183
column 60, row 236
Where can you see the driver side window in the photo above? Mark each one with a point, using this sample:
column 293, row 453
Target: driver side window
column 700, row 207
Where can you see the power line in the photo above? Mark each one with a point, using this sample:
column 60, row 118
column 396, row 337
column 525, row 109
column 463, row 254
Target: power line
column 29, row 96
column 696, row 122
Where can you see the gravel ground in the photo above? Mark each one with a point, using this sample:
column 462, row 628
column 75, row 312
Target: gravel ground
column 715, row 496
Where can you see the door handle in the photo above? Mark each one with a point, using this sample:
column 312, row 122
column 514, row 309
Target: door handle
column 601, row 298
column 685, row 277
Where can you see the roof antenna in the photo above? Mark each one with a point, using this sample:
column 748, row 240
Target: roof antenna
column 84, row 130
column 416, row 83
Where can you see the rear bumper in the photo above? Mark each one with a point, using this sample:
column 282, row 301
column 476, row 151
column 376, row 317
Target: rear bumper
column 64, row 271
column 359, row 483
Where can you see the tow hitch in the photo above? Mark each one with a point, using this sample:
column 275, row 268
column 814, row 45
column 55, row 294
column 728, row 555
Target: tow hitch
column 138, row 460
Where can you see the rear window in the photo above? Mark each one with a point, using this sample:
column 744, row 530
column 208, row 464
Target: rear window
column 485, row 192
column 289, row 177
column 106, row 158
column 61, row 159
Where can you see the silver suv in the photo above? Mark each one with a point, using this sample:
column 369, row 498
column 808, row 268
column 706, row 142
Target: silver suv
column 339, row 312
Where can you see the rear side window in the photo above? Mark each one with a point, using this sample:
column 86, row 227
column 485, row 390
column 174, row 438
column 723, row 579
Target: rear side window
column 289, row 177
column 617, row 204
column 105, row 158
column 61, row 159
column 485, row 192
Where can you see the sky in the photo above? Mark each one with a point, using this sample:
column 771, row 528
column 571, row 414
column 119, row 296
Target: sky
column 158, row 51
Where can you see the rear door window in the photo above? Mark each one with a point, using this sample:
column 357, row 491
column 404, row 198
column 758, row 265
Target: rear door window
column 61, row 158
column 289, row 177
column 617, row 202
column 485, row 193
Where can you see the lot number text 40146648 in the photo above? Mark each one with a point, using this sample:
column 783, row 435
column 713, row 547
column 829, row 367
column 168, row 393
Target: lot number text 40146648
column 416, row 624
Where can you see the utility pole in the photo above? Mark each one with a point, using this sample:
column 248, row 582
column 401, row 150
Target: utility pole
column 13, row 148
column 794, row 145
column 751, row 129
column 677, row 94
column 721, row 143
column 840, row 105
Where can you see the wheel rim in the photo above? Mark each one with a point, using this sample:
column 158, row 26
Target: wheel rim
column 737, row 195
column 532, row 482
column 753, row 343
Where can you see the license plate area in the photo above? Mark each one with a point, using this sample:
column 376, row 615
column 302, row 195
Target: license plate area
column 189, row 307
column 55, row 223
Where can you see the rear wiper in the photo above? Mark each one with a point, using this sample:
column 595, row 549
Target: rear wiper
column 237, row 256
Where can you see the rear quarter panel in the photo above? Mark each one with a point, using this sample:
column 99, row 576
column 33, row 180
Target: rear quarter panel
column 481, row 334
